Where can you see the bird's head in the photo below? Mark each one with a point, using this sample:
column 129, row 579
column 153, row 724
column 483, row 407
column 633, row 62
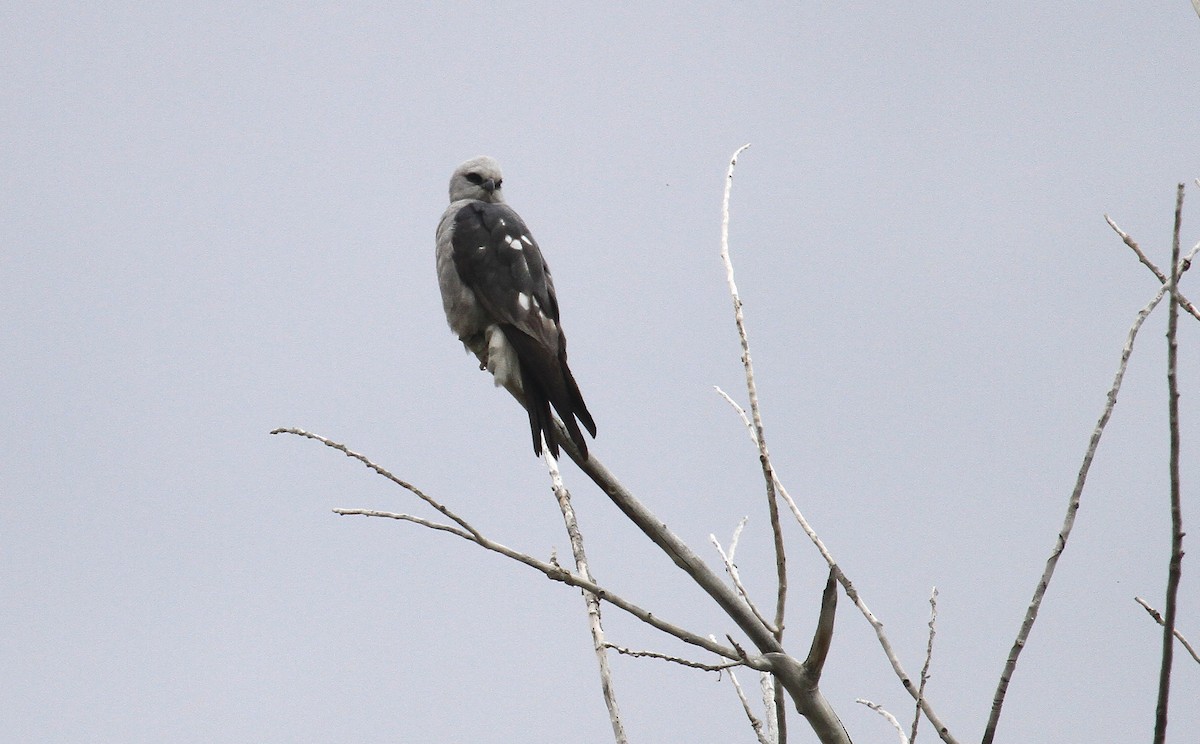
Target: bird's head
column 478, row 178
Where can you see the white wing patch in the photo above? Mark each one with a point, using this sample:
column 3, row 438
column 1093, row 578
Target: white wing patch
column 526, row 240
column 525, row 300
column 513, row 243
column 502, row 360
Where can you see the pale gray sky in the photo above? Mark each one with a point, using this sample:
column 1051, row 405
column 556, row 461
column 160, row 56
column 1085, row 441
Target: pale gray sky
column 219, row 220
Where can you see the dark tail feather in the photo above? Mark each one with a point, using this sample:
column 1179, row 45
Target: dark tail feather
column 576, row 435
column 540, row 419
column 546, row 381
column 578, row 407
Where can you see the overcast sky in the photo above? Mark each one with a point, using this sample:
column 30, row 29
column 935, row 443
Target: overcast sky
column 218, row 220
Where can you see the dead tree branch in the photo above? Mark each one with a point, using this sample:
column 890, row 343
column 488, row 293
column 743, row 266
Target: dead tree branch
column 759, row 433
column 734, row 575
column 760, row 731
column 674, row 659
column 1175, row 567
column 591, row 601
column 928, row 659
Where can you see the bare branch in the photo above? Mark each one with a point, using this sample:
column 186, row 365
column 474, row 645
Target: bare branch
column 407, row 518
column 756, row 724
column 1137, row 250
column 731, row 569
column 673, row 659
column 771, row 701
column 891, row 719
column 737, row 535
column 851, row 592
column 756, row 414
column 740, row 412
column 1158, row 618
column 590, row 600
column 1175, row 567
column 382, row 471
column 928, row 659
column 760, row 436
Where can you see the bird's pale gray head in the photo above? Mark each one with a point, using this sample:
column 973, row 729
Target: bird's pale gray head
column 478, row 178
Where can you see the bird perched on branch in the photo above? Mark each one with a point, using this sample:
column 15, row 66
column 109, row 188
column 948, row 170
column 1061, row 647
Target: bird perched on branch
column 499, row 299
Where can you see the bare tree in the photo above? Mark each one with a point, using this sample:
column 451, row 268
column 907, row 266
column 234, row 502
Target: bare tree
column 761, row 649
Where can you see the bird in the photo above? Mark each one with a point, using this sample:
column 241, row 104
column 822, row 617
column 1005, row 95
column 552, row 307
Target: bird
column 499, row 300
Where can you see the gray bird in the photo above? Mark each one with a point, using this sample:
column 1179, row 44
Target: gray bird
column 499, row 300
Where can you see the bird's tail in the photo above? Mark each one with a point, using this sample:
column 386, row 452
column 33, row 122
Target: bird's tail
column 546, row 381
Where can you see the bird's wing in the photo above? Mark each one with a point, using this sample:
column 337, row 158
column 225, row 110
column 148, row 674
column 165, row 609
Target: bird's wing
column 499, row 261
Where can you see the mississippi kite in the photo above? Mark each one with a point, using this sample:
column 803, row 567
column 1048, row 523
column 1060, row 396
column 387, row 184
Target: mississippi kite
column 499, row 300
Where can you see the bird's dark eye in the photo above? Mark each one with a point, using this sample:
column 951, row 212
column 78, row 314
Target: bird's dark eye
column 475, row 178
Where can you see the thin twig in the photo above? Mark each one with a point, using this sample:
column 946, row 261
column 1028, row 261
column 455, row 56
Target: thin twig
column 1137, row 250
column 1064, row 533
column 891, row 719
column 1175, row 564
column 408, row 518
column 759, row 436
column 770, row 697
column 1158, row 618
column 731, row 569
column 928, row 659
column 755, row 724
column 382, row 471
column 591, row 601
column 740, row 412
column 556, row 572
column 673, row 659
column 755, row 412
column 551, row 571
column 737, row 536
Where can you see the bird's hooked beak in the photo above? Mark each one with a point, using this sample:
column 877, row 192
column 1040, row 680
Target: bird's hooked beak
column 489, row 185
